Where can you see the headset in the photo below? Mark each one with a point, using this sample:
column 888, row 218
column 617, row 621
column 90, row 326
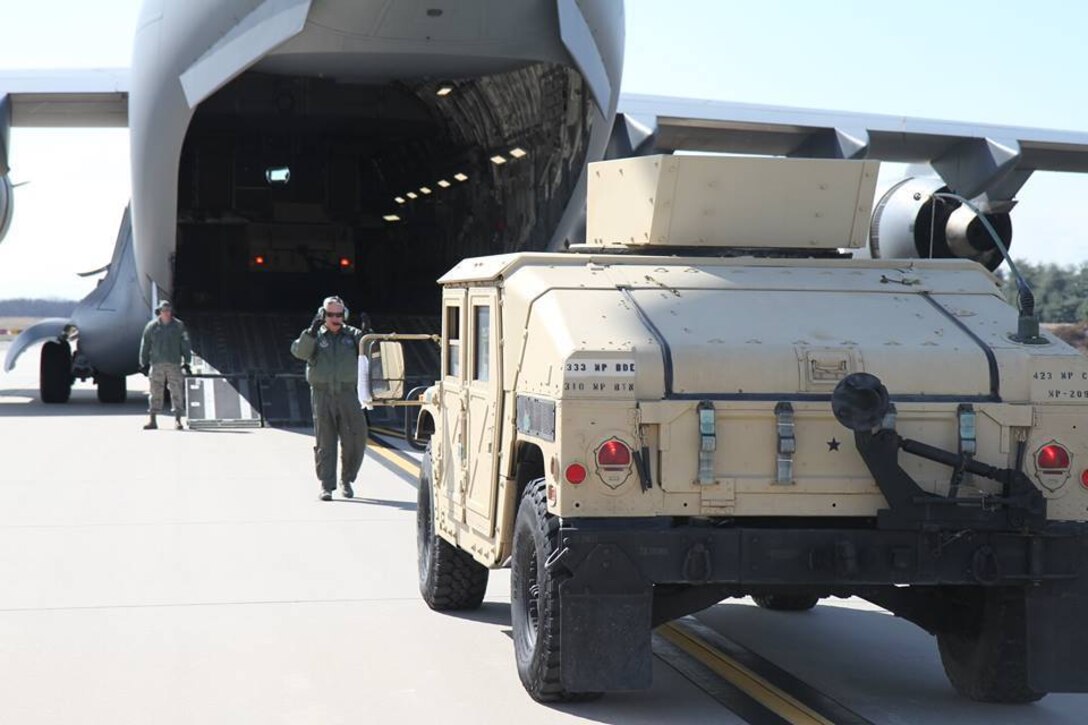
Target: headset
column 334, row 300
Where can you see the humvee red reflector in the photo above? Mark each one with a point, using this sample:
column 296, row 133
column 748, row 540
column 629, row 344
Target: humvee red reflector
column 1052, row 457
column 613, row 453
column 576, row 473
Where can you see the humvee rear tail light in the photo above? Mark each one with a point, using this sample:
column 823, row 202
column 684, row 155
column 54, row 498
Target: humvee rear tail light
column 576, row 473
column 613, row 453
column 1052, row 457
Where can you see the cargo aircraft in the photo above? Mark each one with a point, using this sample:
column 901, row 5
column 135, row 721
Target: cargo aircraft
column 283, row 150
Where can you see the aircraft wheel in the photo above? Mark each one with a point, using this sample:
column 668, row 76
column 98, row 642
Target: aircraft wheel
column 55, row 372
column 112, row 389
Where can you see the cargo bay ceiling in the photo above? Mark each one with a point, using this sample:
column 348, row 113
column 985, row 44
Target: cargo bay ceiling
column 412, row 174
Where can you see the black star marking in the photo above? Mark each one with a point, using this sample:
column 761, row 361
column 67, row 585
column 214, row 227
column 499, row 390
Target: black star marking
column 833, row 445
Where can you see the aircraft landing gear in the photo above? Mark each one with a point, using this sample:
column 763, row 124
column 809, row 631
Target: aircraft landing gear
column 55, row 372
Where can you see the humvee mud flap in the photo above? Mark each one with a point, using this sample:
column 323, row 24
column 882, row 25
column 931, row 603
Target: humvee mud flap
column 605, row 624
column 1057, row 637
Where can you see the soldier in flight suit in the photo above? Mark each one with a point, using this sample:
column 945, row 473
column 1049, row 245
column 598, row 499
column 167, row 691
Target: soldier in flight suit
column 330, row 348
column 165, row 352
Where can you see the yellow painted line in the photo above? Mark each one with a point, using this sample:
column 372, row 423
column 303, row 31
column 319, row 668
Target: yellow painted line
column 759, row 689
column 410, row 468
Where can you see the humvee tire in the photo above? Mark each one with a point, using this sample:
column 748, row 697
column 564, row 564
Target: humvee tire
column 989, row 662
column 785, row 602
column 534, row 600
column 55, row 372
column 449, row 578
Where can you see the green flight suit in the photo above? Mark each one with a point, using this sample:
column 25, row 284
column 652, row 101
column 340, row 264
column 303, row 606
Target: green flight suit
column 332, row 369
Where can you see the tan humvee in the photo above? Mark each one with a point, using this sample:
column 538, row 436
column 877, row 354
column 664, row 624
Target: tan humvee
column 711, row 399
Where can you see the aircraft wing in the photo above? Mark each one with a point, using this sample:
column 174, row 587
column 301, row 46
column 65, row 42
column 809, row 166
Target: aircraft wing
column 66, row 98
column 972, row 158
column 61, row 98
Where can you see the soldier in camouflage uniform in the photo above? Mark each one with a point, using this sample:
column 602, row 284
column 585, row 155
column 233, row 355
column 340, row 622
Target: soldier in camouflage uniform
column 330, row 348
column 164, row 354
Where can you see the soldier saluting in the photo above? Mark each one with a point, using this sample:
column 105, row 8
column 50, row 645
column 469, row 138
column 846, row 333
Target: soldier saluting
column 330, row 348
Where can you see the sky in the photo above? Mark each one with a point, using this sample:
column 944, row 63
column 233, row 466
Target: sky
column 1020, row 65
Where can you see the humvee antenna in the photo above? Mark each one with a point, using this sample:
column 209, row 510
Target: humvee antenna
column 1027, row 328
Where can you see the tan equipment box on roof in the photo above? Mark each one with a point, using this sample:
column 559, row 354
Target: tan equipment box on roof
column 707, row 201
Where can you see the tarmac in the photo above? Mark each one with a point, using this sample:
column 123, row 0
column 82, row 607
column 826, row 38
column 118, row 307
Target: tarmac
column 194, row 577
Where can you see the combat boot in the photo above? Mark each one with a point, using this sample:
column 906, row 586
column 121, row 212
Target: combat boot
column 345, row 488
column 178, row 424
column 151, row 424
column 326, row 494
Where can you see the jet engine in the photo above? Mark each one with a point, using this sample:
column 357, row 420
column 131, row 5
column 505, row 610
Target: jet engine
column 7, row 205
column 909, row 222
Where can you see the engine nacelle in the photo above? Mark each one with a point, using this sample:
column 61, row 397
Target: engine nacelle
column 7, row 205
column 910, row 223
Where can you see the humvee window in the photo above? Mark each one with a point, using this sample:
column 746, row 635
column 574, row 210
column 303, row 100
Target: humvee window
column 453, row 341
column 481, row 345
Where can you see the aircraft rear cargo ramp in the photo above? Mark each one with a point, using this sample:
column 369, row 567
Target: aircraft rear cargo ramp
column 246, row 375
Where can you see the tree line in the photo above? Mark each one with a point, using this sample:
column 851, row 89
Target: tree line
column 25, row 307
column 1061, row 292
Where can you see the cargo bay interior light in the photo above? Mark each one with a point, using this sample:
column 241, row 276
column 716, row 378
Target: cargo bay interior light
column 460, row 177
column 412, row 195
column 278, row 175
column 517, row 152
column 498, row 159
column 443, row 183
column 399, row 199
column 425, row 189
column 391, row 218
column 444, row 89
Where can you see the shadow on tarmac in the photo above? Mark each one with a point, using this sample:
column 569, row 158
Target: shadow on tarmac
column 881, row 666
column 496, row 613
column 19, row 402
column 399, row 505
column 228, row 431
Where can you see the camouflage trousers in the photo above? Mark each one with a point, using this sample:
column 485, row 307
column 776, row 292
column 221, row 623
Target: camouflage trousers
column 338, row 418
column 163, row 375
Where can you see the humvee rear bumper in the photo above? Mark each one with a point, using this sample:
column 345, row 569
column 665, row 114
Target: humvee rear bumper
column 832, row 558
column 626, row 576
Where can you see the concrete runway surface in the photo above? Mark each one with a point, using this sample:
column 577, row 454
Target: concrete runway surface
column 194, row 577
